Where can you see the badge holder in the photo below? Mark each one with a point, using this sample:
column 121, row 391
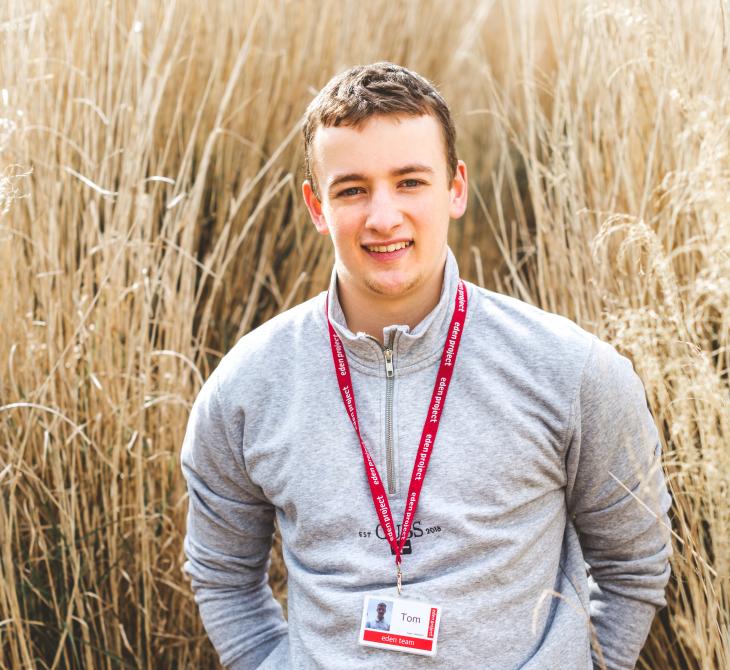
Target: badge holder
column 398, row 624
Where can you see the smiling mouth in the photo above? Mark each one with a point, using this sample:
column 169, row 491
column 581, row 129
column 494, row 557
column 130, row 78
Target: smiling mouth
column 387, row 248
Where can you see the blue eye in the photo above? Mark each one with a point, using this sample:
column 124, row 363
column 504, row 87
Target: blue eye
column 411, row 183
column 348, row 192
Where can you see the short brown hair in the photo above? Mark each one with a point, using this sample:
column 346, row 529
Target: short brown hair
column 353, row 96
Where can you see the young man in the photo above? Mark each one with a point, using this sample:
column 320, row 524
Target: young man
column 546, row 456
column 379, row 623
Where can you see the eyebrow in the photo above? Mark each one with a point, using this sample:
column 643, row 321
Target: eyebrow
column 398, row 172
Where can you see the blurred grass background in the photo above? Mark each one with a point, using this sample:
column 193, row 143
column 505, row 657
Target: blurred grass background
column 150, row 163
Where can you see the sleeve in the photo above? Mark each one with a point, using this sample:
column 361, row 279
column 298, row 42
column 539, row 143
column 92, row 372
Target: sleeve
column 228, row 540
column 618, row 501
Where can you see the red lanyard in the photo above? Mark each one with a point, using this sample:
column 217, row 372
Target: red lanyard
column 430, row 426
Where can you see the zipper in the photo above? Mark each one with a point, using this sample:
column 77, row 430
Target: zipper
column 389, row 383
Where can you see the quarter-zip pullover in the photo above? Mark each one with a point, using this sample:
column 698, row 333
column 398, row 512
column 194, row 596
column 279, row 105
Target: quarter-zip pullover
column 547, row 459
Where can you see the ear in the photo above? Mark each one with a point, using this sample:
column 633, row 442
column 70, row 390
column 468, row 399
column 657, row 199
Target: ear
column 314, row 207
column 459, row 191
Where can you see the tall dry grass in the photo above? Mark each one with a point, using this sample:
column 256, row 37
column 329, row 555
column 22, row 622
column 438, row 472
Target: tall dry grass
column 149, row 175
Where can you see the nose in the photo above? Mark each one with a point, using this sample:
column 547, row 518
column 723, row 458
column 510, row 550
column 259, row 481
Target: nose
column 384, row 213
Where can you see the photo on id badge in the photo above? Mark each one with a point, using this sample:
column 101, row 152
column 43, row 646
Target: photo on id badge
column 399, row 624
column 379, row 614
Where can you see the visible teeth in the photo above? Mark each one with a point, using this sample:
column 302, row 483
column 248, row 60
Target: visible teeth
column 391, row 247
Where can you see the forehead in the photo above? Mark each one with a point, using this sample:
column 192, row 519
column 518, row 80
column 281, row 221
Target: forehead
column 379, row 145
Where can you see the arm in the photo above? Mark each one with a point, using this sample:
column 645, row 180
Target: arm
column 624, row 533
column 229, row 534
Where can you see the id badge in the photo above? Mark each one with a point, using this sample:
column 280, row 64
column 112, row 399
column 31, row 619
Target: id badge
column 398, row 624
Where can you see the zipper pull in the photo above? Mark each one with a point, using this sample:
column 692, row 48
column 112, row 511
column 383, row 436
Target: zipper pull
column 388, row 362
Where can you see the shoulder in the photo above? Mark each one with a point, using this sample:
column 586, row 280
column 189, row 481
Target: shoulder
column 274, row 349
column 537, row 348
column 553, row 343
column 513, row 324
column 609, row 381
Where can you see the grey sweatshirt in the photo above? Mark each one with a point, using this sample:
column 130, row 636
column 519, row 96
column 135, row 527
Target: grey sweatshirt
column 546, row 463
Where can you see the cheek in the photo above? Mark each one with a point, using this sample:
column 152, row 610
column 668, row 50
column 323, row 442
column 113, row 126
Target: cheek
column 344, row 233
column 434, row 218
column 345, row 223
column 436, row 206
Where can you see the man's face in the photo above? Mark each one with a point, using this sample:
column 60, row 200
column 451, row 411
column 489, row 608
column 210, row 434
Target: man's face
column 384, row 185
column 381, row 610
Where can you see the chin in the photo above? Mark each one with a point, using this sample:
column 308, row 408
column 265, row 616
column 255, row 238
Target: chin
column 391, row 288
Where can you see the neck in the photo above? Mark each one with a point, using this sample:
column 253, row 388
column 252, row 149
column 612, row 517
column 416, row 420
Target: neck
column 371, row 313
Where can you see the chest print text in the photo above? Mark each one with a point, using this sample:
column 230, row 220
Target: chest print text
column 418, row 530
